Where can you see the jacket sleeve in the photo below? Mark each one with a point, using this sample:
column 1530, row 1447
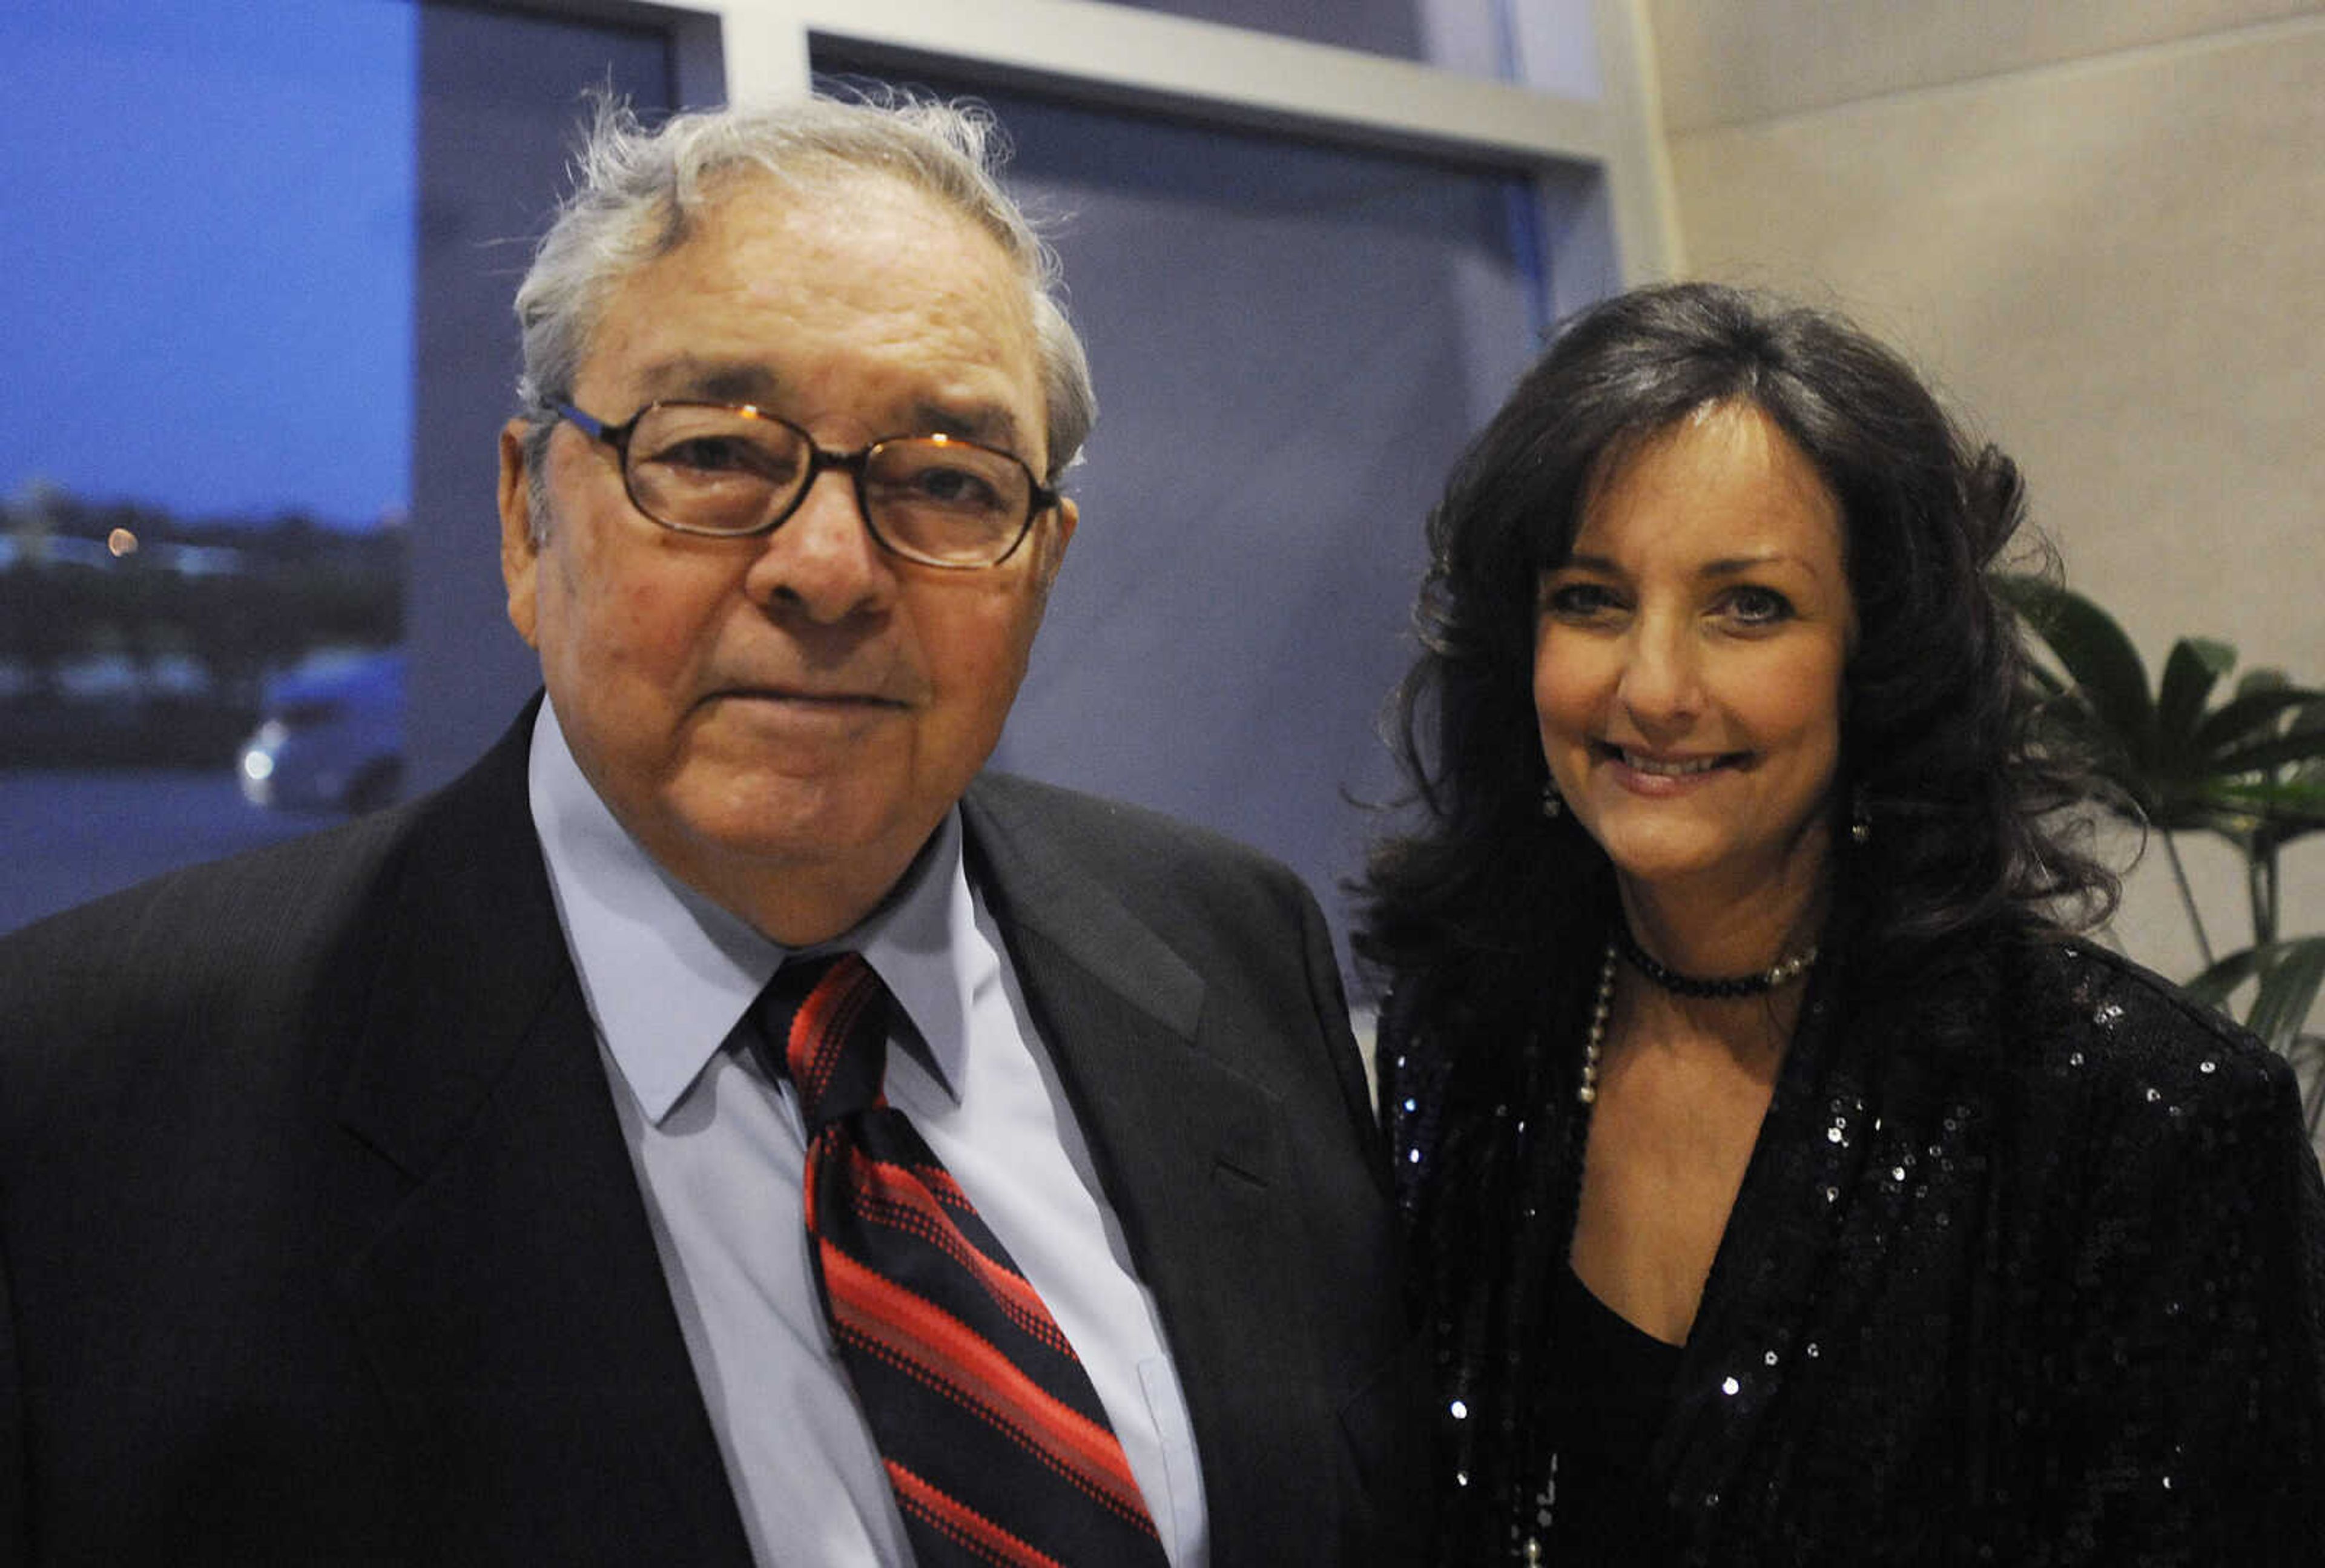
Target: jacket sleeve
column 2181, row 1412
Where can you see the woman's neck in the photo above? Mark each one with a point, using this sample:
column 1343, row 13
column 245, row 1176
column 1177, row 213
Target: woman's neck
column 1710, row 932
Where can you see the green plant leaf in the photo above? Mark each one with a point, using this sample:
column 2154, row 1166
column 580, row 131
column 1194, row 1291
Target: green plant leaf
column 2216, row 984
column 2304, row 747
column 2251, row 712
column 2288, row 990
column 2291, row 973
column 2287, row 802
column 2193, row 667
column 2251, row 769
column 2309, row 719
column 2100, row 658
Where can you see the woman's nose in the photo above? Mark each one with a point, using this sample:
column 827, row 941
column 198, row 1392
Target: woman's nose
column 1661, row 682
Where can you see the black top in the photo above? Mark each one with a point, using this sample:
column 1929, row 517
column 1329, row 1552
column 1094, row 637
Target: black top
column 2049, row 1289
column 1607, row 1396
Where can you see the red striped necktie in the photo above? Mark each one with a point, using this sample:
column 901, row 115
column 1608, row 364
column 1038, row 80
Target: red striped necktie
column 997, row 1448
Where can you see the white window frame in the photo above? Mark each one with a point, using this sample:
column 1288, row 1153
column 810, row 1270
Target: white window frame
column 1601, row 182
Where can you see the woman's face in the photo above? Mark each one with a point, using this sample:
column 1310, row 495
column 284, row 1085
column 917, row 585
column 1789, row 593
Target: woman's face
column 1688, row 662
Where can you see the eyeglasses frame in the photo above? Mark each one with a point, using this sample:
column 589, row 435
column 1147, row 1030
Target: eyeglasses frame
column 819, row 458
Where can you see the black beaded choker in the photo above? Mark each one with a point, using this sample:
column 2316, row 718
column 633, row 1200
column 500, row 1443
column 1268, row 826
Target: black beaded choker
column 1782, row 972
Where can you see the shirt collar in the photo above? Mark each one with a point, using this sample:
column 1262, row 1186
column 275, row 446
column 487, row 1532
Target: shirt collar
column 667, row 973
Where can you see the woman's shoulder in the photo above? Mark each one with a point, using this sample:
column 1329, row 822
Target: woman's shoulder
column 2096, row 1014
column 2118, row 1077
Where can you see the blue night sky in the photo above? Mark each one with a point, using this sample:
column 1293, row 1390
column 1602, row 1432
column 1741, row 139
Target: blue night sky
column 205, row 282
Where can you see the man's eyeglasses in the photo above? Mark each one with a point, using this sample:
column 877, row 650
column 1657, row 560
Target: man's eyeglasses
column 730, row 470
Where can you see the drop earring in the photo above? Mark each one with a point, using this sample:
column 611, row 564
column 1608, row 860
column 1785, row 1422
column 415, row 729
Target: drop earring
column 1860, row 818
column 1553, row 804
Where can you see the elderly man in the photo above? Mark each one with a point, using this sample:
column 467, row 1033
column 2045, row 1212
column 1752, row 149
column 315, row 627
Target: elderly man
column 432, row 1191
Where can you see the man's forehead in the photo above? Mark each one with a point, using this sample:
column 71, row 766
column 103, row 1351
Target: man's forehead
column 863, row 287
column 705, row 378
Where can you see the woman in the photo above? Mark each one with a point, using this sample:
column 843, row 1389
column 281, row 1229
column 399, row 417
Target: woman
column 1786, row 1185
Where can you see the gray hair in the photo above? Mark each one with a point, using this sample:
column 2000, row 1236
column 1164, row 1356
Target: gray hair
column 638, row 192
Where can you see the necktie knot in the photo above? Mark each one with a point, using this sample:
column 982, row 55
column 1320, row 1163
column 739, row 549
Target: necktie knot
column 824, row 1021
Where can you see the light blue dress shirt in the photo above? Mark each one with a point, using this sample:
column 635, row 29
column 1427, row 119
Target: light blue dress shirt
column 719, row 1150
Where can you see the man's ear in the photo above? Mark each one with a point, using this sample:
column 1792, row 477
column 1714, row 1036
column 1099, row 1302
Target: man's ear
column 520, row 556
column 1069, row 517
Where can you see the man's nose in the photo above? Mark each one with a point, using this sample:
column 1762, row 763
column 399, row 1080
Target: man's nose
column 822, row 559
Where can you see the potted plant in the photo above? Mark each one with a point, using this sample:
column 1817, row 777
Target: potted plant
column 2249, row 768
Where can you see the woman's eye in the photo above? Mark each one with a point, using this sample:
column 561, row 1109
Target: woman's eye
column 1758, row 606
column 1578, row 600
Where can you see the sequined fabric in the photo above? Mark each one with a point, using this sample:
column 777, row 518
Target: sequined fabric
column 2058, row 1298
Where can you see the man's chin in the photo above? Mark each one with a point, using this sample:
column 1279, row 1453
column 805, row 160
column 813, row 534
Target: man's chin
column 791, row 860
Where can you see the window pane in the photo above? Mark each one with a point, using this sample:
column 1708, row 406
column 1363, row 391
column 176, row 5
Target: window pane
column 211, row 349
column 501, row 101
column 1290, row 343
column 206, row 476
column 1550, row 44
column 1391, row 27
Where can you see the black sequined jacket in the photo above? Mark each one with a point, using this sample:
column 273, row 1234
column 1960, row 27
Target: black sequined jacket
column 2055, row 1299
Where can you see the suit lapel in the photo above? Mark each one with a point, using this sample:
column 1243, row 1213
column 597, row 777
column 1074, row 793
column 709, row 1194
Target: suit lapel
column 513, row 1302
column 1194, row 1159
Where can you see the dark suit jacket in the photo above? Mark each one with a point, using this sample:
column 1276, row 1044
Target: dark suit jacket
column 319, row 1242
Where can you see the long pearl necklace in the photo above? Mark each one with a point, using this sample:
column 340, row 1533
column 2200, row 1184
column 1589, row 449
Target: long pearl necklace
column 1585, row 1093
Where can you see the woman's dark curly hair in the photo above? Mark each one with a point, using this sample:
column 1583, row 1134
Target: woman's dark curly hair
column 1936, row 728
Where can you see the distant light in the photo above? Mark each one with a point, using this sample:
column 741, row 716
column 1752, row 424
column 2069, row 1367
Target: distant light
column 121, row 542
column 257, row 764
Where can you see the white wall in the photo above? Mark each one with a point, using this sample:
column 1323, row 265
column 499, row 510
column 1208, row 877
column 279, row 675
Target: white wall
column 2099, row 223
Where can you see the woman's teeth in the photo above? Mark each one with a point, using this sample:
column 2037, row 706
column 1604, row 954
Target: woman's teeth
column 1638, row 764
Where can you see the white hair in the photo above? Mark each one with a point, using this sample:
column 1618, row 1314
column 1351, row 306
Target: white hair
column 637, row 194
